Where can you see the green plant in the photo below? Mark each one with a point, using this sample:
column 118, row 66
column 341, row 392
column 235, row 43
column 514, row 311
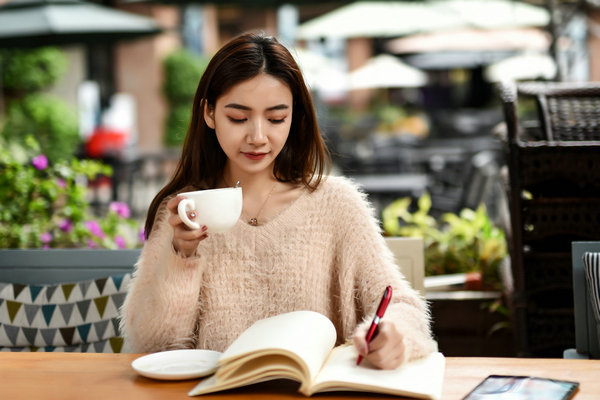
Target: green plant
column 183, row 70
column 26, row 71
column 467, row 242
column 50, row 120
column 177, row 123
column 46, row 205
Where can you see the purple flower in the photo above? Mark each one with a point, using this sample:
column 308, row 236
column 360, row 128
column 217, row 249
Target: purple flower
column 61, row 182
column 46, row 237
column 120, row 241
column 65, row 225
column 94, row 228
column 122, row 209
column 40, row 162
column 142, row 235
column 91, row 244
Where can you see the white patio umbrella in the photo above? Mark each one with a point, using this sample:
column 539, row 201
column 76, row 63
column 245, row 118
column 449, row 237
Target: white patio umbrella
column 399, row 18
column 321, row 73
column 522, row 67
column 386, row 71
column 32, row 23
column 471, row 39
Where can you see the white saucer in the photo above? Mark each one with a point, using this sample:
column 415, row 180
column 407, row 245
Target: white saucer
column 177, row 364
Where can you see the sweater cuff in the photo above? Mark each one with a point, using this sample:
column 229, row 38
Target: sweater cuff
column 183, row 258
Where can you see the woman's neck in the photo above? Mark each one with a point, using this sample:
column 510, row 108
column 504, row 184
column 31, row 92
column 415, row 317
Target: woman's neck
column 250, row 183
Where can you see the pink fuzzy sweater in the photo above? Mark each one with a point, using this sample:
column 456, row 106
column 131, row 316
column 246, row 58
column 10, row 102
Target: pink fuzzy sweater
column 323, row 253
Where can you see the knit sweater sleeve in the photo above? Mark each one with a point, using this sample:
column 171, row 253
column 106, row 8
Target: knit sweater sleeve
column 160, row 311
column 367, row 258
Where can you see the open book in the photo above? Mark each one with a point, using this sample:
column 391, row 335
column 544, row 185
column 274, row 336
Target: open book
column 300, row 346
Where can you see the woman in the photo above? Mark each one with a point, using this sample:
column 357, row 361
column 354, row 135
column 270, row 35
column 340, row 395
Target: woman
column 305, row 240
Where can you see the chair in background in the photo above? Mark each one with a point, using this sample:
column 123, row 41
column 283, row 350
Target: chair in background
column 586, row 255
column 409, row 256
column 553, row 162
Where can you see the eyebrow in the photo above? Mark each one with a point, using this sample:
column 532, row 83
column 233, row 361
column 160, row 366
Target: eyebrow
column 246, row 108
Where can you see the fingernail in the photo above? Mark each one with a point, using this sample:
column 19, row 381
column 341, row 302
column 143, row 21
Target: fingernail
column 204, row 228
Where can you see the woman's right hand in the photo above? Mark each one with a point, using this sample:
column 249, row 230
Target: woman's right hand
column 185, row 240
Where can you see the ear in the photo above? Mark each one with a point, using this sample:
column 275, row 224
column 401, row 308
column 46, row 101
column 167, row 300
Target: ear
column 209, row 115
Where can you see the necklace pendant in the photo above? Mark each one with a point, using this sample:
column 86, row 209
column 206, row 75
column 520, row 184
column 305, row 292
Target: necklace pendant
column 253, row 222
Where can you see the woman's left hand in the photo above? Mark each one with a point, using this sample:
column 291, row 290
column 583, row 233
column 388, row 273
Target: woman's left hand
column 386, row 350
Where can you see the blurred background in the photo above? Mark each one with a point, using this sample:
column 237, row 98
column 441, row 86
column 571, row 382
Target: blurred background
column 95, row 99
column 404, row 89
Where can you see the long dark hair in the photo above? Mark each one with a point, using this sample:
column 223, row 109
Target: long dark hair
column 304, row 157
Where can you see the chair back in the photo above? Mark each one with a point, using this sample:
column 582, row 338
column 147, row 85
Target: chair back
column 410, row 257
column 552, row 146
column 586, row 296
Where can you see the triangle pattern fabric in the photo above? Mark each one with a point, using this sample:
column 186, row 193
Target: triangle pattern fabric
column 67, row 334
column 118, row 280
column 67, row 289
column 48, row 311
column 101, row 304
column 13, row 308
column 35, row 290
column 17, row 289
column 83, row 306
column 48, row 336
column 66, row 310
column 116, row 344
column 118, row 299
column 84, row 286
column 12, row 332
column 100, row 283
column 115, row 324
column 31, row 310
column 30, row 334
column 50, row 291
column 84, row 331
column 73, row 316
column 100, row 328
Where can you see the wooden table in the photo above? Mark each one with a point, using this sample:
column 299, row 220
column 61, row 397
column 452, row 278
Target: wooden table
column 76, row 376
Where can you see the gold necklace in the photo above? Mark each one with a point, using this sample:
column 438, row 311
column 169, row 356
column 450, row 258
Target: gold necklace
column 254, row 221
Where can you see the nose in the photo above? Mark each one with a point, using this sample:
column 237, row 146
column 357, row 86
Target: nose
column 257, row 134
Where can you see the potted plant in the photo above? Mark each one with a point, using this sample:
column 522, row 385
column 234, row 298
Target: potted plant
column 45, row 205
column 466, row 322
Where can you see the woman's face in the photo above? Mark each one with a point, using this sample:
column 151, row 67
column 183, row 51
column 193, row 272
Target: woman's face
column 252, row 122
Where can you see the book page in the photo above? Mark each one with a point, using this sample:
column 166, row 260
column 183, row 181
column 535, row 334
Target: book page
column 306, row 336
column 421, row 378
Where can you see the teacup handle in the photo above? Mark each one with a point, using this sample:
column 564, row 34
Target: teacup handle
column 182, row 209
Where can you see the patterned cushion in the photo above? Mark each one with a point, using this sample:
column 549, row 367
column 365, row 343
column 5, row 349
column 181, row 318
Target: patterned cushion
column 79, row 316
column 592, row 277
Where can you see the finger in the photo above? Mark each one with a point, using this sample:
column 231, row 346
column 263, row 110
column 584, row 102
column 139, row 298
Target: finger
column 173, row 203
column 383, row 334
column 175, row 220
column 360, row 343
column 188, row 247
column 184, row 233
column 385, row 358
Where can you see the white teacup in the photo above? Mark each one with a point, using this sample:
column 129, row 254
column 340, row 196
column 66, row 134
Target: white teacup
column 218, row 209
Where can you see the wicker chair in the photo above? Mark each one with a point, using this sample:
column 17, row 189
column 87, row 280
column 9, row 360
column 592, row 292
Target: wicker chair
column 554, row 199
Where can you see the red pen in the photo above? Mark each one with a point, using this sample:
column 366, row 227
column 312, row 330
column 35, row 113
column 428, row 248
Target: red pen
column 385, row 300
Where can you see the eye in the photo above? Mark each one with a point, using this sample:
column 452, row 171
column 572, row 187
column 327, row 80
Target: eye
column 237, row 120
column 277, row 121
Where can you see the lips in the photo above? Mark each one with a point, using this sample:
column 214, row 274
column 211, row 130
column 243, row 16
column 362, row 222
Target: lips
column 255, row 156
